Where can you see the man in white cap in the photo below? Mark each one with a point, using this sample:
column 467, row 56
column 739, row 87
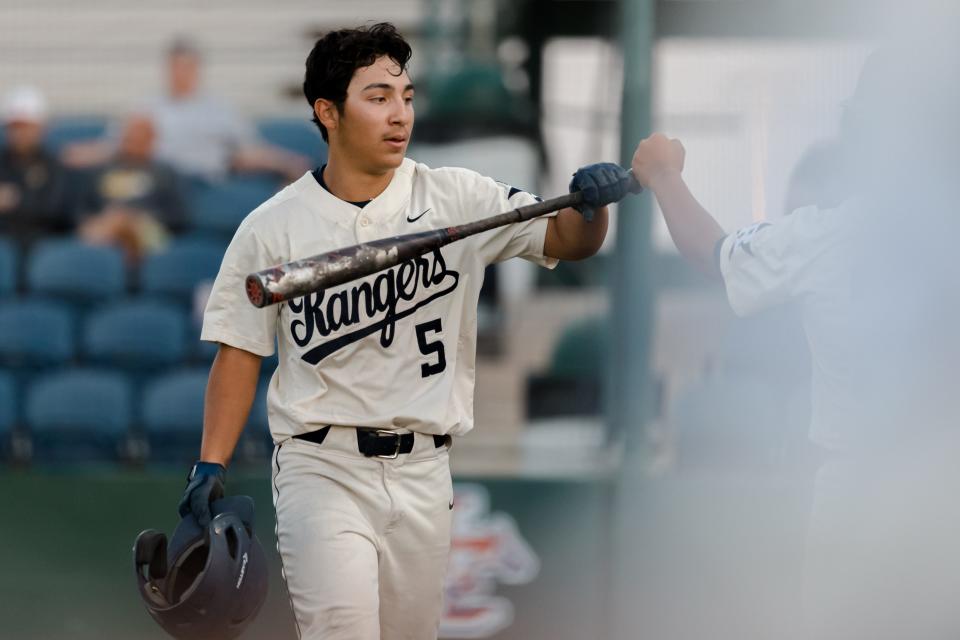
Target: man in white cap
column 32, row 194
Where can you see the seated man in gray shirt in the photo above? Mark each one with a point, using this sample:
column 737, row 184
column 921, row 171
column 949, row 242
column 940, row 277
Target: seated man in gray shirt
column 199, row 134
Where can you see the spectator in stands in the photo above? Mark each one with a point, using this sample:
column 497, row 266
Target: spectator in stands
column 133, row 201
column 199, row 134
column 33, row 199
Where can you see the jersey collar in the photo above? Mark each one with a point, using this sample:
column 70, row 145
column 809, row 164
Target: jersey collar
column 388, row 203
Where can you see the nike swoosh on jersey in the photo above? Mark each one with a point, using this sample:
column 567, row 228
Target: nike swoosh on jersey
column 409, row 219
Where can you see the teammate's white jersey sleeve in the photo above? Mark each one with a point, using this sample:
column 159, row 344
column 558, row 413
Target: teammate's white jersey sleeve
column 484, row 197
column 770, row 262
column 229, row 317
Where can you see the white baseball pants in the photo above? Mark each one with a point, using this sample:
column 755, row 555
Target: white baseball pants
column 364, row 541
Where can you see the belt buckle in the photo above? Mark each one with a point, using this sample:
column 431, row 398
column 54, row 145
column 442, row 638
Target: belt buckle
column 385, row 433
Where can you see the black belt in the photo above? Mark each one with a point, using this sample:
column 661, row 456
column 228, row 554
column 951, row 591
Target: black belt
column 375, row 442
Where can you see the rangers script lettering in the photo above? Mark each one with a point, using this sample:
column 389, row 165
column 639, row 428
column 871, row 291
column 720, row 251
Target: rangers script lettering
column 366, row 301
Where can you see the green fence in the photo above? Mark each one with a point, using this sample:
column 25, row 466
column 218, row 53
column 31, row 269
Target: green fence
column 66, row 539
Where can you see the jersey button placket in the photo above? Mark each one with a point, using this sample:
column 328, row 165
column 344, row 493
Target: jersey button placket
column 364, row 227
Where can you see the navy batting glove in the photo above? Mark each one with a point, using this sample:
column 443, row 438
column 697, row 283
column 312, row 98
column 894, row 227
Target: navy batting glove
column 601, row 184
column 204, row 485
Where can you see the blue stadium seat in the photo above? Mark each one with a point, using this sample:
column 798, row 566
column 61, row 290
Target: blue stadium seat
column 136, row 335
column 173, row 414
column 8, row 407
column 297, row 135
column 8, row 267
column 220, row 207
column 8, row 410
column 63, row 131
column 178, row 270
column 35, row 333
column 256, row 443
column 71, row 270
column 79, row 415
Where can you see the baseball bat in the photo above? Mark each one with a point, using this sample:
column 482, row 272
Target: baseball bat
column 297, row 278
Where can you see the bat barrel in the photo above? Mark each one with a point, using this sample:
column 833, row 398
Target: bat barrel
column 294, row 279
column 257, row 291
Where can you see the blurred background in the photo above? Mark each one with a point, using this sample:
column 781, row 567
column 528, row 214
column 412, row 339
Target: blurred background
column 639, row 466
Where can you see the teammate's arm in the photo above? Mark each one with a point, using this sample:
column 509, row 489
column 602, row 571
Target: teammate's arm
column 658, row 164
column 231, row 389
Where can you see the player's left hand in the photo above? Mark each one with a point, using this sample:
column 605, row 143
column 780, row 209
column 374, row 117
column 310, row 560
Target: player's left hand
column 204, row 485
column 601, row 184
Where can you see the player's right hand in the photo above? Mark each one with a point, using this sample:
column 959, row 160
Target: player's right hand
column 204, row 485
column 657, row 157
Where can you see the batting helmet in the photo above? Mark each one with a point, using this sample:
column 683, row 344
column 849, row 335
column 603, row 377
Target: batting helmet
column 208, row 582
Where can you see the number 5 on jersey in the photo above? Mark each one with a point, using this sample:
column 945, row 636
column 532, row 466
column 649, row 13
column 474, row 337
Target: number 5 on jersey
column 431, row 348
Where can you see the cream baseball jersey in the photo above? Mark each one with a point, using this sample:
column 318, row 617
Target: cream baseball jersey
column 879, row 358
column 394, row 350
column 802, row 257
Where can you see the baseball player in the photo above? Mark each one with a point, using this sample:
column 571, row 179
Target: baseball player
column 374, row 377
column 879, row 292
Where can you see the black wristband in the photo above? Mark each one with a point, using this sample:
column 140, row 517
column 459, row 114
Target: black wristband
column 207, row 469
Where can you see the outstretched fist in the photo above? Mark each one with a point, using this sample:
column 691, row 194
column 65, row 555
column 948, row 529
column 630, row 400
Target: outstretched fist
column 657, row 157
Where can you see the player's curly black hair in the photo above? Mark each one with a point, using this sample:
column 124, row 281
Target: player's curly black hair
column 338, row 54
